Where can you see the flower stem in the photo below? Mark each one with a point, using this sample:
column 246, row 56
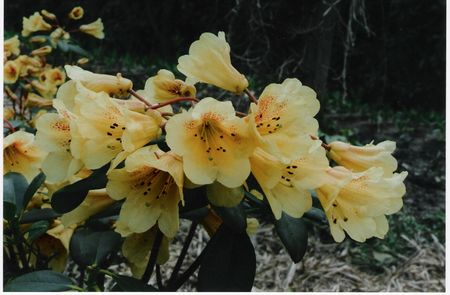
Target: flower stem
column 171, row 101
column 153, row 256
column 324, row 145
column 183, row 253
column 141, row 98
column 10, row 126
column 240, row 114
column 251, row 96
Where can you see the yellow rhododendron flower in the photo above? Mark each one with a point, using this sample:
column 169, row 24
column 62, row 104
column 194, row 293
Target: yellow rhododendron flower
column 151, row 182
column 48, row 15
column 358, row 202
column 287, row 186
column 33, row 24
column 209, row 61
column 29, row 65
column 42, row 51
column 55, row 243
column 47, row 90
column 95, row 29
column 108, row 129
column 76, row 12
column 20, row 154
column 137, row 250
column 55, row 76
column 96, row 201
column 11, row 46
column 11, row 72
column 53, row 136
column 34, row 100
column 213, row 142
column 112, row 85
column 56, row 35
column 164, row 86
column 361, row 158
column 37, row 39
column 8, row 113
column 283, row 119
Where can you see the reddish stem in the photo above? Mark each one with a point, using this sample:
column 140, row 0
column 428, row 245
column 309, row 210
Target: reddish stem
column 140, row 98
column 178, row 99
column 251, row 96
column 10, row 126
column 324, row 145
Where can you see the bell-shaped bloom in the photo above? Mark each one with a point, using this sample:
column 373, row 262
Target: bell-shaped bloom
column 11, row 72
column 209, row 62
column 358, row 202
column 34, row 23
column 94, row 29
column 42, row 51
column 48, row 15
column 213, row 141
column 76, row 12
column 164, row 86
column 54, row 244
column 151, row 182
column 361, row 158
column 137, row 250
column 287, row 186
column 11, row 46
column 47, row 90
column 115, row 86
column 283, row 119
column 108, row 130
column 20, row 154
column 55, row 76
column 96, row 201
column 53, row 136
column 29, row 65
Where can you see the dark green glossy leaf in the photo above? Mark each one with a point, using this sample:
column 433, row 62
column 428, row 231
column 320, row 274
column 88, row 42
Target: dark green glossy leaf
column 32, row 188
column 69, row 197
column 234, row 217
column 88, row 247
column 124, row 283
column 39, row 214
column 228, row 264
column 14, row 188
column 40, row 281
column 294, row 235
column 9, row 211
column 37, row 229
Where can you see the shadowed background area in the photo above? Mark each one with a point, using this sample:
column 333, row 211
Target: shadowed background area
column 383, row 51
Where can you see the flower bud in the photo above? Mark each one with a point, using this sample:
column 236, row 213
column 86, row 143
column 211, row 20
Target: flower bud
column 33, row 24
column 76, row 13
column 48, row 15
column 42, row 51
column 11, row 71
column 11, row 46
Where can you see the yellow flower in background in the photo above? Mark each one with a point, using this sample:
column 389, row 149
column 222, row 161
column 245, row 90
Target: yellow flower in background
column 116, row 86
column 11, row 72
column 11, row 46
column 283, row 119
column 8, row 113
column 20, row 154
column 209, row 61
column 76, row 12
column 137, row 250
column 42, row 51
column 34, row 100
column 48, row 15
column 358, row 202
column 37, row 39
column 361, row 158
column 213, row 142
column 108, row 129
column 152, row 184
column 53, row 136
column 33, row 24
column 47, row 90
column 29, row 65
column 164, row 86
column 56, row 35
column 55, row 76
column 95, row 29
column 287, row 186
column 82, row 61
column 96, row 201
column 55, row 243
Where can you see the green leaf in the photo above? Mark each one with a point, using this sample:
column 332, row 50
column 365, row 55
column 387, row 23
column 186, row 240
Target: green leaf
column 37, row 229
column 223, row 196
column 228, row 264
column 40, row 281
column 77, row 49
column 14, row 187
column 293, row 234
column 88, row 247
column 63, row 45
column 131, row 284
column 193, row 199
column 32, row 188
column 39, row 214
column 234, row 217
column 69, row 197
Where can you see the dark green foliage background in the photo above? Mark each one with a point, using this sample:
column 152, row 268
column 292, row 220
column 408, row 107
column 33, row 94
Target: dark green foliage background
column 400, row 63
